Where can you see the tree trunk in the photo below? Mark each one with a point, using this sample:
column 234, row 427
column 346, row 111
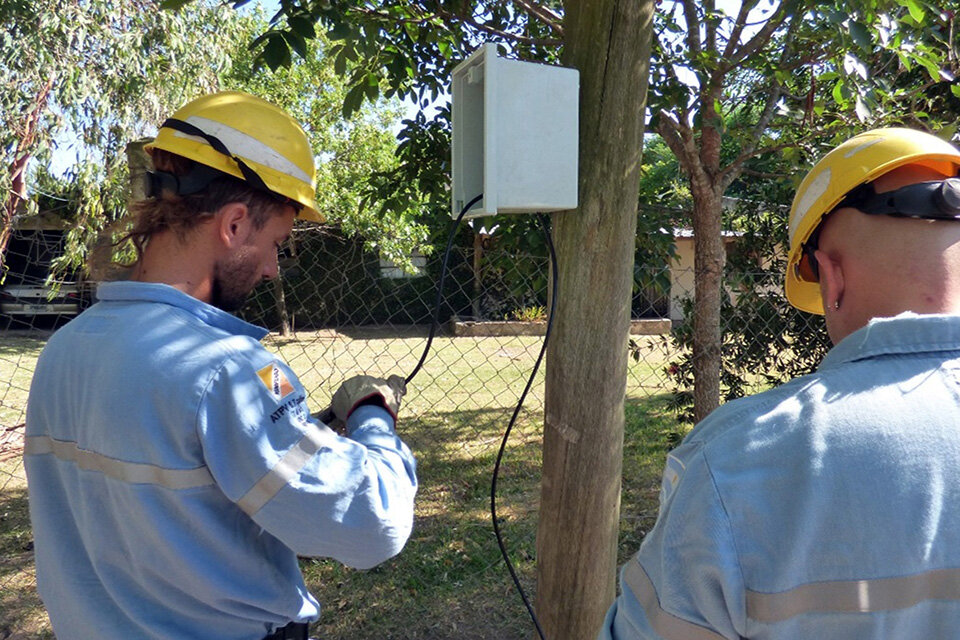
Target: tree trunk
column 609, row 42
column 708, row 263
column 18, row 171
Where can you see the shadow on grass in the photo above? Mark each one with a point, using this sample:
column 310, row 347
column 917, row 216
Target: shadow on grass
column 20, row 343
column 450, row 581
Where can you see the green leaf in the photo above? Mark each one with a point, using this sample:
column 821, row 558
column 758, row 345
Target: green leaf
column 276, row 53
column 955, row 90
column 353, row 100
column 838, row 93
column 372, row 91
column 905, row 60
column 303, row 27
column 862, row 110
column 916, row 11
column 860, row 36
column 296, row 42
column 173, row 5
column 340, row 31
column 340, row 63
column 932, row 67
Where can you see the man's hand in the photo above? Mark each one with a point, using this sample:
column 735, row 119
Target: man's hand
column 362, row 389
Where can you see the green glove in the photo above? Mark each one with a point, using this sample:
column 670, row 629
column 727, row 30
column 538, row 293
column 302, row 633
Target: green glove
column 368, row 390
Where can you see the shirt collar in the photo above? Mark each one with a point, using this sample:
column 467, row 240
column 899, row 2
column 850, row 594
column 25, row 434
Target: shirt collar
column 905, row 333
column 131, row 291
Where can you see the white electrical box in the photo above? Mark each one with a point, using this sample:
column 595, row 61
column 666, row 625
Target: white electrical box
column 515, row 135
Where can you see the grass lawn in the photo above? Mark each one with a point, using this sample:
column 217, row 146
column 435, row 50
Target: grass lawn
column 450, row 581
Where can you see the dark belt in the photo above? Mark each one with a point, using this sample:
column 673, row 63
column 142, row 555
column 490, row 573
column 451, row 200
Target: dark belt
column 293, row 631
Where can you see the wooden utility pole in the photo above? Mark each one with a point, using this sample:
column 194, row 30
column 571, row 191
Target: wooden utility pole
column 609, row 42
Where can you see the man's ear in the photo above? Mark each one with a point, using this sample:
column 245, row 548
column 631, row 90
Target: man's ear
column 831, row 279
column 234, row 224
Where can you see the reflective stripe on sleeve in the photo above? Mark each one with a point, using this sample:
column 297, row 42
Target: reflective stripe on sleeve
column 132, row 472
column 666, row 624
column 286, row 468
column 860, row 596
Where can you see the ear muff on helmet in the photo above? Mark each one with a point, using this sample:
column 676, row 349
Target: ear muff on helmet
column 853, row 164
column 245, row 137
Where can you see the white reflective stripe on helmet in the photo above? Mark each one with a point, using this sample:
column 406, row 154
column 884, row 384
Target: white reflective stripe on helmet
column 285, row 469
column 666, row 624
column 132, row 472
column 817, row 187
column 855, row 596
column 244, row 146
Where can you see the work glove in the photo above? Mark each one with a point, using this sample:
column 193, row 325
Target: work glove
column 368, row 390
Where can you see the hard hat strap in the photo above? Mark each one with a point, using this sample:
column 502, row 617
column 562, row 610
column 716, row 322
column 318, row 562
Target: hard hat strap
column 933, row 200
column 251, row 176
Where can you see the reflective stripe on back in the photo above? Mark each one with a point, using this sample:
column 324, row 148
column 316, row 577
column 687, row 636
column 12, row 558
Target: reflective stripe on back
column 666, row 624
column 132, row 472
column 859, row 596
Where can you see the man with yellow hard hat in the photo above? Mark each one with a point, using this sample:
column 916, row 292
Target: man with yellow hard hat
column 175, row 472
column 829, row 507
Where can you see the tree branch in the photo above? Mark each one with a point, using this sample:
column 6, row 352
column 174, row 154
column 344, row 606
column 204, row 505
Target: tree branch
column 548, row 17
column 709, row 9
column 668, row 67
column 451, row 18
column 738, row 27
column 729, row 173
column 693, row 29
column 679, row 138
column 767, row 175
column 760, row 39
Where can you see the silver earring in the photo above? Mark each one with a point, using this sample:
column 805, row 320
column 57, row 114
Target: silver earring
column 836, row 305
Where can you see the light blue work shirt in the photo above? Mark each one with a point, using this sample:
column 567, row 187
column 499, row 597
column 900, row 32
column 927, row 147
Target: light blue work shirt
column 175, row 474
column 827, row 508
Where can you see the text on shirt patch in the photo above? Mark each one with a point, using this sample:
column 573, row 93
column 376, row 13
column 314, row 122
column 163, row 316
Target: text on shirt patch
column 291, row 404
column 275, row 381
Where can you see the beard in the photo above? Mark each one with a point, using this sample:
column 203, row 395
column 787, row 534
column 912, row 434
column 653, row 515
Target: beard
column 234, row 279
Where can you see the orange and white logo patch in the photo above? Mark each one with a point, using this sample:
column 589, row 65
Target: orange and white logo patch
column 274, row 379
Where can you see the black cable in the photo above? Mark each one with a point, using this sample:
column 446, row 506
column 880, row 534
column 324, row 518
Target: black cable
column 443, row 275
column 503, row 444
column 327, row 416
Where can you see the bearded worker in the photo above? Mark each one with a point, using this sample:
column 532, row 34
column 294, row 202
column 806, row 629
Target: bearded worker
column 175, row 472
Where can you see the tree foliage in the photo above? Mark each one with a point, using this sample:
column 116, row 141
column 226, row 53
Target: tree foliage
column 95, row 73
column 93, row 76
column 824, row 72
column 737, row 83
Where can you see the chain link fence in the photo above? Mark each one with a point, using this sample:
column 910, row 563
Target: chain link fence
column 337, row 311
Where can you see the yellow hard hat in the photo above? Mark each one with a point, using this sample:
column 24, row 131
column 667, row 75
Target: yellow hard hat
column 857, row 161
column 249, row 138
